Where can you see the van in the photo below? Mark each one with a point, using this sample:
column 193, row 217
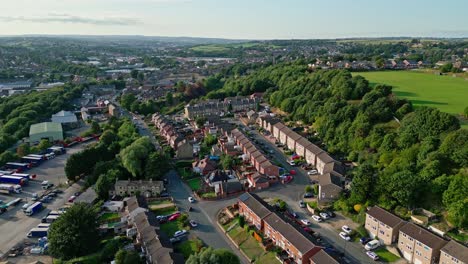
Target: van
column 372, row 245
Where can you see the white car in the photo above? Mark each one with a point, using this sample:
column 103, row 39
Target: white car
column 305, row 222
column 193, row 223
column 372, row 245
column 317, row 218
column 372, row 255
column 292, row 163
column 346, row 229
column 345, row 236
column 312, row 172
column 191, row 199
column 180, row 233
column 325, row 216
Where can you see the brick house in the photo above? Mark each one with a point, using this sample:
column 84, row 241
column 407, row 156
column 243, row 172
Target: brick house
column 383, row 224
column 330, row 187
column 283, row 134
column 311, row 153
column 253, row 208
column 453, row 253
column 292, row 138
column 204, row 166
column 419, row 245
column 287, row 237
column 276, row 130
column 325, row 163
column 301, row 146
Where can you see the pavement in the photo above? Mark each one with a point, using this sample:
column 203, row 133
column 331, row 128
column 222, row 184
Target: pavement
column 14, row 224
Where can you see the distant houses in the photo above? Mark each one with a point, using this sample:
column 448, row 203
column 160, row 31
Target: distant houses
column 218, row 108
column 146, row 188
column 182, row 147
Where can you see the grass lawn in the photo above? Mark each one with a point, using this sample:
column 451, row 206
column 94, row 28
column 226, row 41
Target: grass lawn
column 155, row 205
column 269, row 257
column 109, row 217
column 385, row 255
column 458, row 236
column 159, row 202
column 171, row 227
column 210, row 48
column 252, row 248
column 424, row 89
column 189, row 247
column 195, row 184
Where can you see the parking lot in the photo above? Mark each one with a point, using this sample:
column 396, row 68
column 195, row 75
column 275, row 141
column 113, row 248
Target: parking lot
column 14, row 224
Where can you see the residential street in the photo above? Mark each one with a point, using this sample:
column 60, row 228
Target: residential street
column 207, row 229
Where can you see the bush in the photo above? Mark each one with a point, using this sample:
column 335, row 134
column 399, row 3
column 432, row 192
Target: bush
column 308, row 188
column 241, row 220
column 362, row 231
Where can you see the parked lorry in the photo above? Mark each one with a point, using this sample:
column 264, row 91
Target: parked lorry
column 57, row 150
column 27, row 176
column 38, row 232
column 33, row 161
column 19, row 167
column 36, row 207
column 17, row 180
column 10, row 188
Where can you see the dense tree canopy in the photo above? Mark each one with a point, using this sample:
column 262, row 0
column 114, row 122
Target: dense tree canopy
column 75, row 233
column 213, row 256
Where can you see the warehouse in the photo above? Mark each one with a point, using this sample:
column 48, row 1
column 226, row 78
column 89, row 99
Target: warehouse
column 46, row 130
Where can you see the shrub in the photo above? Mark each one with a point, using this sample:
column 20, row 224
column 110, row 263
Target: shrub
column 241, row 221
column 308, row 188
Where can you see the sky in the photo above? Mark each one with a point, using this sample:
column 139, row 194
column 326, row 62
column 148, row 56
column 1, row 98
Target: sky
column 237, row 19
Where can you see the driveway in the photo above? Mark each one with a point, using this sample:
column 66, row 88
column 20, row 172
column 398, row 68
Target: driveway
column 204, row 214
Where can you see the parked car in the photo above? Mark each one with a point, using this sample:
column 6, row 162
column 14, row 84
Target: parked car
column 292, row 162
column 345, row 236
column 77, row 194
column 180, row 233
column 305, row 222
column 308, row 195
column 173, row 217
column 317, row 218
column 293, row 214
column 57, row 191
column 175, row 239
column 312, row 172
column 331, row 214
column 52, row 194
column 302, row 204
column 324, row 215
column 371, row 245
column 191, row 199
column 307, row 229
column 364, row 240
column 346, row 229
column 372, row 255
column 193, row 223
column 72, row 199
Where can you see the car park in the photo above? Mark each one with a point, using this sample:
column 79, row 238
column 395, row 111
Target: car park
column 371, row 245
column 317, row 218
column 346, row 229
column 305, row 222
column 324, row 215
column 180, row 233
column 345, row 236
column 372, row 255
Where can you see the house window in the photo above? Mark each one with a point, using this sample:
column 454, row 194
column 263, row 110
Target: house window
column 382, row 232
column 418, row 253
column 426, row 247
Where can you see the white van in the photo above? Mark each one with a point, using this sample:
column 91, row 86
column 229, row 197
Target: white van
column 372, row 245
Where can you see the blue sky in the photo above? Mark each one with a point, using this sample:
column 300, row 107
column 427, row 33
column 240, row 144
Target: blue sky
column 246, row 19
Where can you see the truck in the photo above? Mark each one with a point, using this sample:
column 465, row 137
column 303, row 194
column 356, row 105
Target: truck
column 33, row 161
column 36, row 207
column 43, row 225
column 4, row 172
column 13, row 180
column 14, row 202
column 50, row 219
column 26, row 176
column 42, row 157
column 56, row 212
column 19, row 167
column 10, row 188
column 38, row 232
column 46, row 185
column 57, row 150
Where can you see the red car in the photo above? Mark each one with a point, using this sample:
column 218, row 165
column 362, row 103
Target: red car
column 288, row 179
column 173, row 217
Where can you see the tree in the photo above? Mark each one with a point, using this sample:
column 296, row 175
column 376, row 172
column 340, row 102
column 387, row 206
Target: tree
column 362, row 184
column 134, row 74
column 23, row 150
column 227, row 161
column 446, row 68
column 169, row 99
column 127, row 257
column 95, row 128
column 44, row 144
column 241, row 221
column 134, row 156
column 156, row 166
column 213, row 256
column 75, row 233
column 200, row 121
column 141, row 76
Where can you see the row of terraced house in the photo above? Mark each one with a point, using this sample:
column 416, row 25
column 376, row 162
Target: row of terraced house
column 292, row 239
column 218, row 108
column 331, row 180
column 415, row 243
column 182, row 147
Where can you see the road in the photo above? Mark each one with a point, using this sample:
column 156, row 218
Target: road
column 14, row 224
column 207, row 229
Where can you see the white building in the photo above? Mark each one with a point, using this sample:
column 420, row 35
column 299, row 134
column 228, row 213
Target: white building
column 64, row 117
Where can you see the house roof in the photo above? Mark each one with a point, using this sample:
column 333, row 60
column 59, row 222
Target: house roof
column 296, row 238
column 314, row 149
column 384, row 216
column 303, row 142
column 205, row 164
column 456, row 250
column 255, row 203
column 294, row 136
column 45, row 127
column 422, row 235
column 322, row 257
column 325, row 158
column 329, row 179
column 64, row 113
column 279, row 125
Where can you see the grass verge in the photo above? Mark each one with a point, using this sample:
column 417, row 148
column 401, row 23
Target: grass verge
column 385, row 255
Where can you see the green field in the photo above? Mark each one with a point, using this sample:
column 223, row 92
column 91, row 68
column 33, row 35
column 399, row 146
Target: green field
column 449, row 94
